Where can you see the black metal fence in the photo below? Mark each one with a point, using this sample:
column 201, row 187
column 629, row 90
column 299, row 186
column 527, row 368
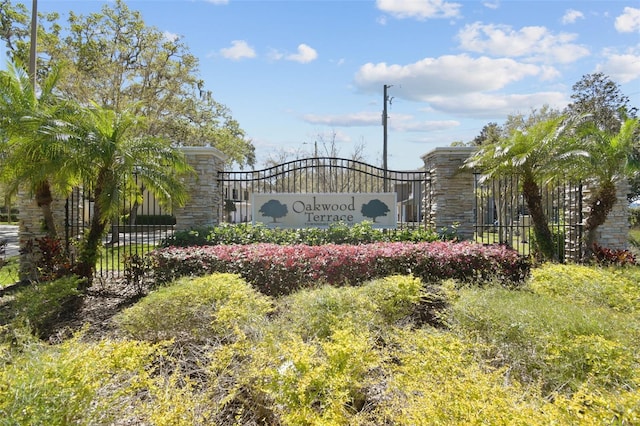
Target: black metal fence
column 502, row 215
column 140, row 225
column 500, row 211
column 325, row 175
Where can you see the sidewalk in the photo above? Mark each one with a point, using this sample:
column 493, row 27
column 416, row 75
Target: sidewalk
column 9, row 233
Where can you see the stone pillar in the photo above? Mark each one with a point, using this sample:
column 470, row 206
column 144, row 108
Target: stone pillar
column 614, row 232
column 450, row 197
column 31, row 227
column 205, row 196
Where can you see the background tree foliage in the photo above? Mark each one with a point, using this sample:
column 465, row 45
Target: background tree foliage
column 608, row 108
column 114, row 59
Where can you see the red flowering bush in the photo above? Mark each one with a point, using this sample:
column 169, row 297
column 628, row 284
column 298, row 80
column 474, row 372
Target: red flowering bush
column 608, row 257
column 277, row 269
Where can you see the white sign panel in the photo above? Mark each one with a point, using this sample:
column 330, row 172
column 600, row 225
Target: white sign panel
column 304, row 210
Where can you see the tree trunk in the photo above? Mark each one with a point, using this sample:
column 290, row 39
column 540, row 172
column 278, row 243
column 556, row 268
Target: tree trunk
column 544, row 238
column 600, row 206
column 44, row 199
column 89, row 249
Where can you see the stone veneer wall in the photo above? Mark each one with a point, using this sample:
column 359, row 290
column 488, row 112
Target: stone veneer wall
column 614, row 233
column 204, row 205
column 450, row 196
column 30, row 227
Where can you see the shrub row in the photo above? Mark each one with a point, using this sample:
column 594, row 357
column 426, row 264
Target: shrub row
column 339, row 233
column 277, row 269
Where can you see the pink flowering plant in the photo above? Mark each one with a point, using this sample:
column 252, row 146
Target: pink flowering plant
column 281, row 269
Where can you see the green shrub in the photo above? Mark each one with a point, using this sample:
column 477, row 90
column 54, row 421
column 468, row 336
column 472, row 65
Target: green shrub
column 219, row 307
column 72, row 383
column 337, row 233
column 433, row 379
column 372, row 306
column 40, row 305
column 546, row 340
column 617, row 288
column 317, row 381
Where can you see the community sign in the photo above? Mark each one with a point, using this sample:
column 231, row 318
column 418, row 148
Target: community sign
column 304, row 210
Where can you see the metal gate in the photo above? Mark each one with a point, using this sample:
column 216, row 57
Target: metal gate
column 502, row 216
column 140, row 225
column 325, row 175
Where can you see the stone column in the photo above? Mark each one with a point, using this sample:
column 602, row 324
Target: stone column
column 614, row 232
column 205, row 196
column 450, row 199
column 31, row 227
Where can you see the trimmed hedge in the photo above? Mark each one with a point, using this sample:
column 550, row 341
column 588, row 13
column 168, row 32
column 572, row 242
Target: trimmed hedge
column 281, row 269
column 337, row 233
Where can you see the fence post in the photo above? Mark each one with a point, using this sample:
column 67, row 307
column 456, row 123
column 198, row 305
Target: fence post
column 451, row 195
column 205, row 197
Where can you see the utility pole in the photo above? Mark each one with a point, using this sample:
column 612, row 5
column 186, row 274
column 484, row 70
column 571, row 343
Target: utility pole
column 34, row 41
column 384, row 138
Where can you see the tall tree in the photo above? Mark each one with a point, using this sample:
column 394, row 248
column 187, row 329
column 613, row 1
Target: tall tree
column 602, row 158
column 525, row 152
column 601, row 99
column 111, row 157
column 35, row 156
column 115, row 59
column 490, row 133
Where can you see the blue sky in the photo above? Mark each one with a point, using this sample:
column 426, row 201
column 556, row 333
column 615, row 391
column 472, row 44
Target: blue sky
column 295, row 72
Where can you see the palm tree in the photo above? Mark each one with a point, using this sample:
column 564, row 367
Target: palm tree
column 603, row 158
column 34, row 154
column 109, row 156
column 527, row 153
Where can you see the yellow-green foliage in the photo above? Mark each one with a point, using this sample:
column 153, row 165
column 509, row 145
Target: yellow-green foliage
column 373, row 305
column 321, row 381
column 617, row 288
column 336, row 356
column 434, row 380
column 71, row 383
column 39, row 304
column 218, row 307
column 543, row 339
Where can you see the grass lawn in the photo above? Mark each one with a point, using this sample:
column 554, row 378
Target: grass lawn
column 113, row 258
column 9, row 271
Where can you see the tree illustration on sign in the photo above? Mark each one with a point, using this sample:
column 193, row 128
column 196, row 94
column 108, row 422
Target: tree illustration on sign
column 274, row 209
column 374, row 208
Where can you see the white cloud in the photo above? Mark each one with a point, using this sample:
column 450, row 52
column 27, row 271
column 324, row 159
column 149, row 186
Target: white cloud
column 460, row 85
column 239, row 49
column 169, row 36
column 534, row 43
column 397, row 122
column 446, row 75
column 345, row 120
column 401, row 125
column 488, row 106
column 571, row 16
column 304, row 55
column 629, row 21
column 622, row 68
column 491, row 4
column 419, row 9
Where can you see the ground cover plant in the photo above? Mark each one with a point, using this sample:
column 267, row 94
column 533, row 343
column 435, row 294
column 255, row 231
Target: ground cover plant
column 559, row 349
